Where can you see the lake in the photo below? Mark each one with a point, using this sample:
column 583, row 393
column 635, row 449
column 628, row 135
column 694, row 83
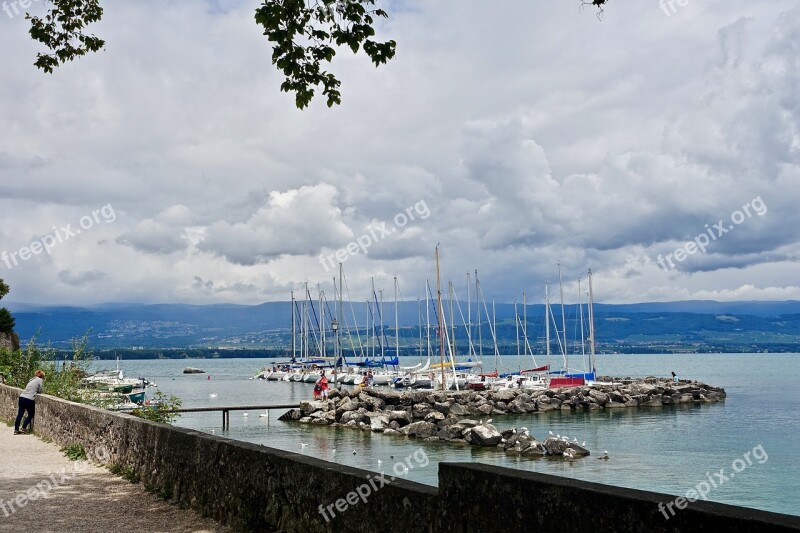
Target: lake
column 669, row 450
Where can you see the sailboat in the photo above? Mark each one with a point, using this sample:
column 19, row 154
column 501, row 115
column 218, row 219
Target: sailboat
column 568, row 377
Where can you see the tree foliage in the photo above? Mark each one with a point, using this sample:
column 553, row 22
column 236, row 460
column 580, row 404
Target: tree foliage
column 62, row 31
column 160, row 409
column 305, row 36
column 6, row 319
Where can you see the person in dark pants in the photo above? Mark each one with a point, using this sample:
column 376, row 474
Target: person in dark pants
column 27, row 402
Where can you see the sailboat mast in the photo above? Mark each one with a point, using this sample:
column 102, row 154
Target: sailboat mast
column 563, row 320
column 470, row 350
column 322, row 319
column 547, row 322
column 478, row 304
column 396, row 322
column 440, row 315
column 428, row 315
column 452, row 322
column 337, row 350
column 383, row 331
column 516, row 325
column 419, row 321
column 580, row 311
column 494, row 337
column 591, row 324
column 294, row 347
column 525, row 323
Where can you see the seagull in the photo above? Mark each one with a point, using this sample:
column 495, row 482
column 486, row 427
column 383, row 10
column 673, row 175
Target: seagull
column 569, row 453
column 333, row 451
column 303, row 445
column 212, row 431
column 557, row 436
column 583, row 444
column 575, row 440
column 514, row 431
column 244, row 414
column 380, row 462
column 605, row 456
column 264, row 414
column 489, row 421
column 550, row 432
column 213, row 395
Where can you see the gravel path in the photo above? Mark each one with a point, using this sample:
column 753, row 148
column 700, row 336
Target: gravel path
column 77, row 495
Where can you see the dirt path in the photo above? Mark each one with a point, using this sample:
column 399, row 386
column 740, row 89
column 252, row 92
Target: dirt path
column 42, row 490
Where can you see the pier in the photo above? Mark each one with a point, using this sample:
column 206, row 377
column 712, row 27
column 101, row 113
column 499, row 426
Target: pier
column 226, row 411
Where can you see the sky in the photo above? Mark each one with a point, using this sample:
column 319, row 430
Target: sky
column 657, row 145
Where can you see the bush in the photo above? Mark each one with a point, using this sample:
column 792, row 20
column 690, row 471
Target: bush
column 7, row 321
column 159, row 409
column 75, row 452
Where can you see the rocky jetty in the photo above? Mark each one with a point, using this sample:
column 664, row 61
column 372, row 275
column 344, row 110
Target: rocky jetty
column 441, row 415
column 192, row 370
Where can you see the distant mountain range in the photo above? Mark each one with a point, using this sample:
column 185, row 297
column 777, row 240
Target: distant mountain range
column 642, row 327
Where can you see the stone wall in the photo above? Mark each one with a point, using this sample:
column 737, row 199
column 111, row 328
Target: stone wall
column 527, row 501
column 255, row 488
column 9, row 341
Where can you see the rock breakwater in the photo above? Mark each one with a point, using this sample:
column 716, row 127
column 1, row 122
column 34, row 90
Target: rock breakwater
column 441, row 415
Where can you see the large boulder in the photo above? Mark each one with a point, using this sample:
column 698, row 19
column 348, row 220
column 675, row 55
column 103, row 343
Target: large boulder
column 434, row 417
column 419, row 410
column 412, row 397
column 371, row 402
column 485, row 409
column 353, row 416
column 442, row 407
column 306, row 408
column 486, row 436
column 448, row 421
column 600, row 397
column 556, row 446
column 402, row 417
column 378, row 423
column 420, row 429
column 457, row 410
column 389, row 396
column 450, row 432
column 346, row 404
column 503, row 395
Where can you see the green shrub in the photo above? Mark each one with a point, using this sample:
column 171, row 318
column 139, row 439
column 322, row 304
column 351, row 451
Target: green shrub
column 75, row 452
column 125, row 472
column 6, row 321
column 159, row 410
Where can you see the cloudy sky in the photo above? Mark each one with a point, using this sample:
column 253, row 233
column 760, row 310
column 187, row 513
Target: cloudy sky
column 517, row 137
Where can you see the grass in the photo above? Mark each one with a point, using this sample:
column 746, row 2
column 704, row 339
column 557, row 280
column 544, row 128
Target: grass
column 126, row 472
column 75, row 452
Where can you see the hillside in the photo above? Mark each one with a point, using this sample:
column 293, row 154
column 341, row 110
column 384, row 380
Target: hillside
column 644, row 327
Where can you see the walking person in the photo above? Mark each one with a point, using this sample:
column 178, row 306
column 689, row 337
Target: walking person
column 27, row 403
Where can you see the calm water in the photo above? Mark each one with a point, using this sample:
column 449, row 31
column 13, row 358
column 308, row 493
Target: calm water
column 666, row 450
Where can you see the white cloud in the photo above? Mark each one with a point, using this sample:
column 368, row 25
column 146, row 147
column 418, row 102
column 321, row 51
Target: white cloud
column 534, row 133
